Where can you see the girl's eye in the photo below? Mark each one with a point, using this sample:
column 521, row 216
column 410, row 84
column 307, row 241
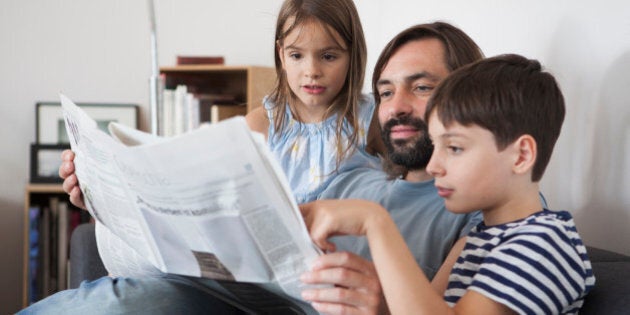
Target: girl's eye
column 295, row 55
column 329, row 57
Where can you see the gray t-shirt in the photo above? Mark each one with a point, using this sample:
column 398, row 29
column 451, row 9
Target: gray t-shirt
column 428, row 228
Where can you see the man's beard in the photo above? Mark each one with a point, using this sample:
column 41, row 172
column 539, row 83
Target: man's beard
column 413, row 153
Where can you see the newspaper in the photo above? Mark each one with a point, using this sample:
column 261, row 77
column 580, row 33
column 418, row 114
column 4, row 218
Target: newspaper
column 211, row 203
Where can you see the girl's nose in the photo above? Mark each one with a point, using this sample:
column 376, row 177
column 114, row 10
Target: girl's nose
column 313, row 69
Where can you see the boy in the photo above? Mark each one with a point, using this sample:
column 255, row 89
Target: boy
column 493, row 125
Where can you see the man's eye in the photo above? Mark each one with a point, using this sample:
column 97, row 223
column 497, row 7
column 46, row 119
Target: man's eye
column 423, row 88
column 385, row 94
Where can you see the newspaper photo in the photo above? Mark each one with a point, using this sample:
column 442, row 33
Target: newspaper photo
column 210, row 203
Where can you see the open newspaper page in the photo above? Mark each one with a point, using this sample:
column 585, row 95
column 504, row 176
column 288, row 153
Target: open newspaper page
column 211, row 203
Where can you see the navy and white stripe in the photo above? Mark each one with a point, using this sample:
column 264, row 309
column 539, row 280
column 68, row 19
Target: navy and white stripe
column 537, row 265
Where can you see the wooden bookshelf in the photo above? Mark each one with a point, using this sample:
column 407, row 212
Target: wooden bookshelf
column 40, row 195
column 249, row 84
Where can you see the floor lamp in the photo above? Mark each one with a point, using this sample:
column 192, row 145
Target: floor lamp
column 154, row 89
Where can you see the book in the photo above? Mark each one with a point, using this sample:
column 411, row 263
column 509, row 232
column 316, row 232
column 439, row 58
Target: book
column 53, row 254
column 200, row 60
column 63, row 243
column 33, row 254
column 221, row 112
column 179, row 112
column 209, row 203
column 44, row 257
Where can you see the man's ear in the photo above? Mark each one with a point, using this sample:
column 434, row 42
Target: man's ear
column 527, row 150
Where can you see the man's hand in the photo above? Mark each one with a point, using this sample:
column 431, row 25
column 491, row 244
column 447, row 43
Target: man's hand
column 356, row 286
column 70, row 181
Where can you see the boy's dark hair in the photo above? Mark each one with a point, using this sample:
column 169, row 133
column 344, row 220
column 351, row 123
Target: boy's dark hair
column 510, row 96
column 459, row 50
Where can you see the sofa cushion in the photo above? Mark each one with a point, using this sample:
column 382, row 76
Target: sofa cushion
column 612, row 283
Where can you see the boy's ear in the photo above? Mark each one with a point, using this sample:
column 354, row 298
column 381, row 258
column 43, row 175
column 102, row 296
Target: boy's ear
column 527, row 151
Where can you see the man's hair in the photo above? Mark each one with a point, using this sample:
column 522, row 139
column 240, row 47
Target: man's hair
column 510, row 96
column 342, row 17
column 459, row 50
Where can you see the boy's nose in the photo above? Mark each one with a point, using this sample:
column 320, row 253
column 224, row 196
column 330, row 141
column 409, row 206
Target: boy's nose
column 433, row 167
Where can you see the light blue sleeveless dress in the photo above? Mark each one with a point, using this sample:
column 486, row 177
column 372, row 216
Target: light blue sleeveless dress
column 307, row 152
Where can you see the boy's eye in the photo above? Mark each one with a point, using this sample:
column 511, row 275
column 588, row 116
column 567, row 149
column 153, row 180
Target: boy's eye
column 455, row 150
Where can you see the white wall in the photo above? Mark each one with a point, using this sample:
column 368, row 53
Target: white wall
column 98, row 51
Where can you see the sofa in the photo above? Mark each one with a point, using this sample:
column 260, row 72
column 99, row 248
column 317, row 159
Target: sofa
column 612, row 283
column 610, row 295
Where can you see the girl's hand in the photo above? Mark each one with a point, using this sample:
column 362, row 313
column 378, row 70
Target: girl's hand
column 326, row 218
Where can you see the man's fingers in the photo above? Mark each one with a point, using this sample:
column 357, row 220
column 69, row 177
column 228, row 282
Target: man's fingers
column 342, row 277
column 76, row 197
column 354, row 286
column 66, row 169
column 346, row 260
column 338, row 309
column 69, row 183
column 351, row 297
column 71, row 187
column 67, row 155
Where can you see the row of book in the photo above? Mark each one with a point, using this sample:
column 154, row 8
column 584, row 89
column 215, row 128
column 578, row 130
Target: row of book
column 50, row 227
column 181, row 111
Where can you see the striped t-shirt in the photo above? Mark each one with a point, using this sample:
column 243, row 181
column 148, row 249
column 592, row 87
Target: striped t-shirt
column 537, row 265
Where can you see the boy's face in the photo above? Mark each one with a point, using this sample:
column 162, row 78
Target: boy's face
column 470, row 172
column 315, row 65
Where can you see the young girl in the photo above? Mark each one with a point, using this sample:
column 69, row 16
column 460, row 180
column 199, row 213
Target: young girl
column 316, row 121
column 493, row 125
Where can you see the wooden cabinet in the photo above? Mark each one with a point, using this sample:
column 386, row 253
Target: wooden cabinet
column 247, row 85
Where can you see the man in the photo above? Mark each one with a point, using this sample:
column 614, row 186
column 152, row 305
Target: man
column 407, row 71
column 409, row 67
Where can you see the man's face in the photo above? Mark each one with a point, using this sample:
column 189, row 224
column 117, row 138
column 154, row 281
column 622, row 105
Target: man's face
column 404, row 86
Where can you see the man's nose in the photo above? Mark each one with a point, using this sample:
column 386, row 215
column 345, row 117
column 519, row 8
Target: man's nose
column 401, row 105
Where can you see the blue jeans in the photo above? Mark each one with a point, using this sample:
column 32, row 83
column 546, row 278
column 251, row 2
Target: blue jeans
column 168, row 294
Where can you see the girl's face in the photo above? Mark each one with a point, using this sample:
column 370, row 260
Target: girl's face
column 316, row 67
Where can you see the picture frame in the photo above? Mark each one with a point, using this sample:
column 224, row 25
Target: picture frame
column 45, row 162
column 50, row 127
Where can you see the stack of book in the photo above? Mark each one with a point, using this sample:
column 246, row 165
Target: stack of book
column 182, row 110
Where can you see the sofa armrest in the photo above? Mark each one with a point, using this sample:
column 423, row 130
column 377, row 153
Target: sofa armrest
column 85, row 262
